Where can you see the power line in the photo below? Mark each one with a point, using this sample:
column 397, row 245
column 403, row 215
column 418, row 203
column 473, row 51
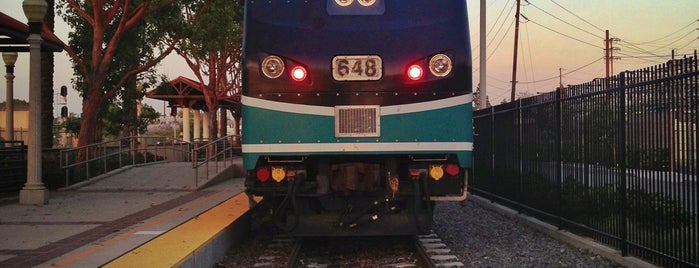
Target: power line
column 687, row 44
column 561, row 20
column 669, row 44
column 584, row 20
column 581, row 41
column 500, row 42
column 567, row 73
column 498, row 19
column 664, row 37
column 502, row 11
column 637, row 48
column 500, row 28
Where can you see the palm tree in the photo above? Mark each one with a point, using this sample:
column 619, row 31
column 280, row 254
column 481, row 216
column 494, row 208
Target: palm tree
column 47, row 83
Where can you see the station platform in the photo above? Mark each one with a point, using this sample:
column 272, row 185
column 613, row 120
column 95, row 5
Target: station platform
column 110, row 218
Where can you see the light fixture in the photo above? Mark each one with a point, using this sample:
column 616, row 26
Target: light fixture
column 272, row 66
column 440, row 65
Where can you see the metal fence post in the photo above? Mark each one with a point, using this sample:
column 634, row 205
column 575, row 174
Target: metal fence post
column 492, row 143
column 622, row 161
column 559, row 161
column 520, row 178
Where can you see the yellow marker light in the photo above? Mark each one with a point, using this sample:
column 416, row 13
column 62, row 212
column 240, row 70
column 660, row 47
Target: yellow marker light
column 436, row 172
column 278, row 174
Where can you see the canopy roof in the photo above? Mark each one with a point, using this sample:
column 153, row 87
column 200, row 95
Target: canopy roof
column 13, row 37
column 185, row 92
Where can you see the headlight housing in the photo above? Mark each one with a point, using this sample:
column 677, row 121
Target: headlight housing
column 366, row 3
column 440, row 65
column 272, row 66
column 343, row 3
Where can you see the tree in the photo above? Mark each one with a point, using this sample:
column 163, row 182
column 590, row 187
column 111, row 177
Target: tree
column 100, row 30
column 47, row 82
column 72, row 124
column 147, row 117
column 477, row 105
column 117, row 117
column 214, row 53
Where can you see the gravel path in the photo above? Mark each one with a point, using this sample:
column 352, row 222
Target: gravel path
column 483, row 238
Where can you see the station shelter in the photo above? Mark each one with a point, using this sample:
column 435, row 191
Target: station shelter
column 186, row 94
column 13, row 40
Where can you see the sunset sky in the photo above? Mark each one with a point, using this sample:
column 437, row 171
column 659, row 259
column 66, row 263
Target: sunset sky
column 567, row 34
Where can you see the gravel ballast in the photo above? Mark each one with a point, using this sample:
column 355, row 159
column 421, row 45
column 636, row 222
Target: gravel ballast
column 481, row 237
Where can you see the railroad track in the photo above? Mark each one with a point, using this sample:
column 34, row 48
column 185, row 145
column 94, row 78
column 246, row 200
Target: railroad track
column 392, row 251
column 282, row 251
column 435, row 252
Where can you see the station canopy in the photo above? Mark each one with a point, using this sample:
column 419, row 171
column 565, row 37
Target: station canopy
column 13, row 37
column 185, row 92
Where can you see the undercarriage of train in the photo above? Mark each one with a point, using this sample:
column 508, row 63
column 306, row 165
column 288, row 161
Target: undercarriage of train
column 358, row 195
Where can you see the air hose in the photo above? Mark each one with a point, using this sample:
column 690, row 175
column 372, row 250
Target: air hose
column 280, row 212
column 418, row 204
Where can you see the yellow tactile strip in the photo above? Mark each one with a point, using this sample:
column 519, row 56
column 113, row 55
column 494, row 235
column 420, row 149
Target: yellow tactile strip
column 173, row 247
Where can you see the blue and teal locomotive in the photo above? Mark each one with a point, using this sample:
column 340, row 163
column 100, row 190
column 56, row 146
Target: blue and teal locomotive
column 356, row 114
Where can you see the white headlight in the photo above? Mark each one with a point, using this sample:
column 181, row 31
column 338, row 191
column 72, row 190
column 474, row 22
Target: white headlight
column 273, row 66
column 440, row 65
column 366, row 3
column 344, row 3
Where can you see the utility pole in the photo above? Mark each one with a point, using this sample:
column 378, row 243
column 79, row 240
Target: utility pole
column 606, row 58
column 560, row 77
column 609, row 55
column 514, row 59
column 483, row 93
column 560, row 82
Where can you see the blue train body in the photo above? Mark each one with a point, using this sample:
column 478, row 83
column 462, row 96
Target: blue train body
column 356, row 113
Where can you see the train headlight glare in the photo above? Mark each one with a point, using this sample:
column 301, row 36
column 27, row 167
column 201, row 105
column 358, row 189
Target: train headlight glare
column 440, row 65
column 278, row 174
column 298, row 73
column 366, row 3
column 344, row 3
column 415, row 72
column 273, row 66
column 436, row 172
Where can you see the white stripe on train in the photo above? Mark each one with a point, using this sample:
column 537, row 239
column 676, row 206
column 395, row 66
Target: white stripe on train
column 358, row 147
column 330, row 111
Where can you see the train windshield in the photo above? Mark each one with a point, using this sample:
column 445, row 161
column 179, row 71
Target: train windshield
column 329, row 14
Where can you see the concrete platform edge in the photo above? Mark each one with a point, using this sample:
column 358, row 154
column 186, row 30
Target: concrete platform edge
column 231, row 171
column 213, row 252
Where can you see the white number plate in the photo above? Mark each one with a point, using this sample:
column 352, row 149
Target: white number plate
column 357, row 68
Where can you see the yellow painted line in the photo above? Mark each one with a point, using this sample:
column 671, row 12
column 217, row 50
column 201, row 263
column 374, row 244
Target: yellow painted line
column 173, row 247
column 148, row 224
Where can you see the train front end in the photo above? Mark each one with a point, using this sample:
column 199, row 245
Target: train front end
column 356, row 113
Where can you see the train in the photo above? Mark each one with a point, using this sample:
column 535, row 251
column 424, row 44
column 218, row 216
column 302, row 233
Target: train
column 356, row 114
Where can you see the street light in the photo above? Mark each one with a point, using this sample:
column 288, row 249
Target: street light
column 34, row 192
column 9, row 58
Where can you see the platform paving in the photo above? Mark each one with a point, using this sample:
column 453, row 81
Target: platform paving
column 93, row 223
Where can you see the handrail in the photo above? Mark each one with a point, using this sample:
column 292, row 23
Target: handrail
column 18, row 143
column 115, row 154
column 220, row 149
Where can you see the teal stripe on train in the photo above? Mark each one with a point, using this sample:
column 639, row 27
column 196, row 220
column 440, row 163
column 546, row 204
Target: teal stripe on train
column 276, row 132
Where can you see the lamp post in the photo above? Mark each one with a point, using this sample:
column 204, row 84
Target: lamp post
column 9, row 58
column 34, row 192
